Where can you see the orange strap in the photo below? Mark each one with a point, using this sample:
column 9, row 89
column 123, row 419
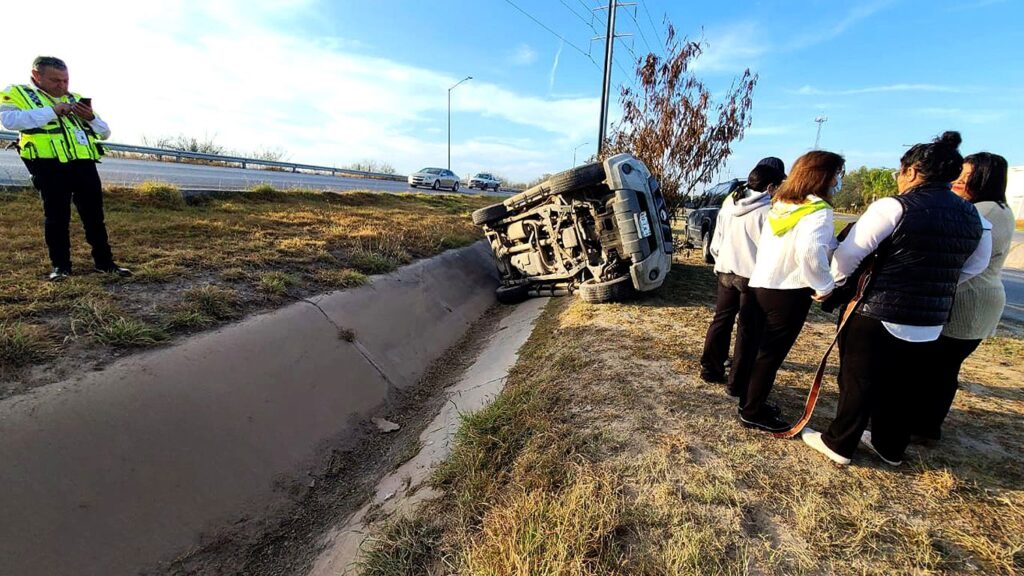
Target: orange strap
column 812, row 396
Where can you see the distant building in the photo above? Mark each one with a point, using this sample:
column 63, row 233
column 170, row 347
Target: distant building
column 1015, row 191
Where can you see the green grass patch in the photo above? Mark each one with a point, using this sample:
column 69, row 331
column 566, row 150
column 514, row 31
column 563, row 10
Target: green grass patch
column 22, row 345
column 160, row 195
column 277, row 283
column 104, row 323
column 203, row 307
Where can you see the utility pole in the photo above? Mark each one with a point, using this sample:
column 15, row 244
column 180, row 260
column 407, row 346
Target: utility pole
column 609, row 44
column 450, row 119
column 820, row 120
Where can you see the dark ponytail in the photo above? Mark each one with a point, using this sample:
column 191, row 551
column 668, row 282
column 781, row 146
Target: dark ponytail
column 937, row 161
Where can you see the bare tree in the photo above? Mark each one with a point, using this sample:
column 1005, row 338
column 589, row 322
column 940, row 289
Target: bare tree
column 672, row 123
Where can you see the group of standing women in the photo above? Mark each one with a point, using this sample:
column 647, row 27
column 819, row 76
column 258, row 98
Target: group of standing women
column 927, row 264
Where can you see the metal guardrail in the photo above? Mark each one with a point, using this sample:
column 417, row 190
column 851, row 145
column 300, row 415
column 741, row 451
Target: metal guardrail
column 178, row 155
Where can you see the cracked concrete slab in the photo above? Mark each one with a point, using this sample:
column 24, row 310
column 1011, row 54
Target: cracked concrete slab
column 114, row 471
column 405, row 488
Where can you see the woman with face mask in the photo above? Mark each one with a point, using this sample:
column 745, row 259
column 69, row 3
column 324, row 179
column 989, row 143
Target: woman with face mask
column 922, row 242
column 979, row 301
column 791, row 268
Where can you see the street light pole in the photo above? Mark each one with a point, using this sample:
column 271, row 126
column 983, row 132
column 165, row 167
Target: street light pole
column 820, row 120
column 574, row 153
column 450, row 119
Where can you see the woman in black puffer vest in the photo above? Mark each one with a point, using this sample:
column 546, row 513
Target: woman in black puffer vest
column 923, row 241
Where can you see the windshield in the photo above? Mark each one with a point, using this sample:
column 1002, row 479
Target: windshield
column 431, row 170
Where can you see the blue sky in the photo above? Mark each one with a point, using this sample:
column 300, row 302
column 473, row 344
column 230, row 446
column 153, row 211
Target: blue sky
column 336, row 82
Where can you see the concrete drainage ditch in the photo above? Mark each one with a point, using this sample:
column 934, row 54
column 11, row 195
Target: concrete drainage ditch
column 117, row 471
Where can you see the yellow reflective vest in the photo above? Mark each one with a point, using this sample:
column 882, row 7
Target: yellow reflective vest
column 65, row 138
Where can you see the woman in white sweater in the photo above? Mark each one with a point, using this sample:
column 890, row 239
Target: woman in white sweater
column 979, row 301
column 737, row 231
column 792, row 267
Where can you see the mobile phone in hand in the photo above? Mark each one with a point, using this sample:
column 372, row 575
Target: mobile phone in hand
column 86, row 101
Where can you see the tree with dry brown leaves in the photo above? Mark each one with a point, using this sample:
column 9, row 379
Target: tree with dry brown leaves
column 672, row 123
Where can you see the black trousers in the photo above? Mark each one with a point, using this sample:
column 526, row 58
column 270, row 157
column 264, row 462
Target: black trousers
column 769, row 327
column 732, row 292
column 938, row 383
column 879, row 381
column 59, row 184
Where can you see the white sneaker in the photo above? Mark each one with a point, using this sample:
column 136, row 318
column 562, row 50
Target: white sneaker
column 865, row 439
column 813, row 439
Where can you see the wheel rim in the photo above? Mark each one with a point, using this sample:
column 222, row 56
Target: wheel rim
column 436, row 185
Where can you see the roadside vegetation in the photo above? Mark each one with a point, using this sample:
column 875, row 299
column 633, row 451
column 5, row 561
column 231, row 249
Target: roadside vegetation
column 199, row 264
column 605, row 454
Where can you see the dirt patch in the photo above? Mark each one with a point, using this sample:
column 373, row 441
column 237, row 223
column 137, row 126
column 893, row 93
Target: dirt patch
column 288, row 540
column 198, row 266
column 606, row 455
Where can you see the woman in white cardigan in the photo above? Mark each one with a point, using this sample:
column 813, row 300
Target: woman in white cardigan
column 792, row 267
column 979, row 302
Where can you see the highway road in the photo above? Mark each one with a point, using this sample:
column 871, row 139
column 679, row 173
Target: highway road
column 1013, row 282
column 118, row 171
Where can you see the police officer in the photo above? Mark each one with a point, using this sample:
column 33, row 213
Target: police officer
column 58, row 143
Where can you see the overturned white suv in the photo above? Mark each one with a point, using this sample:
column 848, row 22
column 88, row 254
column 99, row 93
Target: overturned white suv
column 601, row 230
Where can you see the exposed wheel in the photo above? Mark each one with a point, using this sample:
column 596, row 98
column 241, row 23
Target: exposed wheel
column 436, row 185
column 512, row 294
column 581, row 177
column 615, row 290
column 455, row 187
column 496, row 187
column 705, row 247
column 489, row 214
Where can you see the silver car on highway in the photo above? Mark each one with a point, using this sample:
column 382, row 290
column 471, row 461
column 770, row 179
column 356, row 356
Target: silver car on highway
column 435, row 178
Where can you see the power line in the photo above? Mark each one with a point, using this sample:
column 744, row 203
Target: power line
column 576, row 14
column 657, row 31
column 556, row 34
column 641, row 31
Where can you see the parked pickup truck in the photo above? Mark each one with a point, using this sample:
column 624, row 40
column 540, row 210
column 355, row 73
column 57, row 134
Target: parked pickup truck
column 701, row 214
column 601, row 230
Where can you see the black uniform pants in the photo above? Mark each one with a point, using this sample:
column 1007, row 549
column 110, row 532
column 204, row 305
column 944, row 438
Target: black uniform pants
column 59, row 184
column 880, row 380
column 732, row 292
column 939, row 381
column 769, row 328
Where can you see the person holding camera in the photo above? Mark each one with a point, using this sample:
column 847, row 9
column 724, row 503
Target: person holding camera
column 917, row 246
column 58, row 144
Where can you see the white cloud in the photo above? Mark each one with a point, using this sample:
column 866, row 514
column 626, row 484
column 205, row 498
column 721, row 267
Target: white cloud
column 221, row 68
column 812, row 91
column 731, row 49
column 523, row 55
column 554, row 67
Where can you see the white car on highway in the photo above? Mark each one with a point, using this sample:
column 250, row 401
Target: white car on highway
column 484, row 181
column 435, row 178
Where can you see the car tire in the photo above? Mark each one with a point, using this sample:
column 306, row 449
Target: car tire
column 497, row 187
column 436, row 185
column 489, row 214
column 581, row 177
column 594, row 292
column 705, row 247
column 455, row 187
column 512, row 294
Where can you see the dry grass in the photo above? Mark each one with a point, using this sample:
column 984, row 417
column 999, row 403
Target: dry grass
column 605, row 455
column 200, row 264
